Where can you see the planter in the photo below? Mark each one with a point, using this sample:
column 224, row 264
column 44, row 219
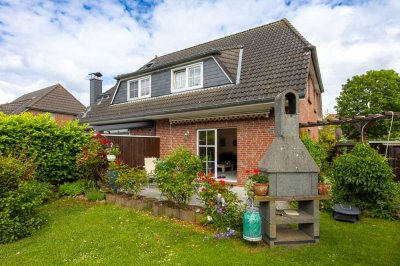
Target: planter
column 111, row 198
column 323, row 189
column 261, row 189
column 111, row 157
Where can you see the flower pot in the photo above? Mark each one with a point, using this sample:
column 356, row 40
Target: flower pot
column 261, row 189
column 111, row 157
column 323, row 189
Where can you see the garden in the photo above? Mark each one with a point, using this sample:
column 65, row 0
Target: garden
column 55, row 182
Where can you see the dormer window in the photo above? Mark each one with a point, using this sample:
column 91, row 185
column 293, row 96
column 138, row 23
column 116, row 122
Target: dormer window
column 187, row 77
column 139, row 88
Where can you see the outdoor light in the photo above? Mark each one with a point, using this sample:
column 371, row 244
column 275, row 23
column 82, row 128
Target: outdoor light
column 186, row 135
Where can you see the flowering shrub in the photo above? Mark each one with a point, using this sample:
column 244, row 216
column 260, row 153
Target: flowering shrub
column 222, row 205
column 131, row 180
column 175, row 174
column 92, row 160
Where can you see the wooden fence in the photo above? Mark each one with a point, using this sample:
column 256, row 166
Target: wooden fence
column 135, row 148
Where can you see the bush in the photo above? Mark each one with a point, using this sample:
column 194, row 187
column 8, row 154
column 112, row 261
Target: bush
column 53, row 146
column 76, row 188
column 92, row 160
column 131, row 180
column 175, row 174
column 94, row 195
column 364, row 178
column 19, row 198
column 222, row 205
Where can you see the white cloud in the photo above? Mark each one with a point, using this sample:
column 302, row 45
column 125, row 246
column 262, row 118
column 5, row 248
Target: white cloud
column 47, row 43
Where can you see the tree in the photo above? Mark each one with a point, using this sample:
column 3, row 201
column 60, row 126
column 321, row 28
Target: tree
column 372, row 93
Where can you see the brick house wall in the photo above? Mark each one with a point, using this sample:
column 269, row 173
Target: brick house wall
column 310, row 109
column 253, row 139
column 60, row 118
column 147, row 131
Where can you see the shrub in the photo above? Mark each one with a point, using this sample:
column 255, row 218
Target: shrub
column 364, row 178
column 222, row 205
column 76, row 188
column 92, row 160
column 131, row 180
column 316, row 150
column 94, row 195
column 175, row 174
column 19, row 198
column 53, row 146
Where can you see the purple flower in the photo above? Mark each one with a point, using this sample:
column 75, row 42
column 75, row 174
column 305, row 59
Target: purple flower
column 219, row 211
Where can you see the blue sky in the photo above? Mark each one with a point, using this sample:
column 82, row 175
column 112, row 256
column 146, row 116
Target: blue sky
column 61, row 41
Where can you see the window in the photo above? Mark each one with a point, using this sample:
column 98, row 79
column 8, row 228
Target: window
column 139, row 88
column 187, row 78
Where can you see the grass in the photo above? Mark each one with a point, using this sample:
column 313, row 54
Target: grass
column 85, row 233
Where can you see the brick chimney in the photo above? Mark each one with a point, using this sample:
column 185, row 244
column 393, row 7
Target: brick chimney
column 96, row 86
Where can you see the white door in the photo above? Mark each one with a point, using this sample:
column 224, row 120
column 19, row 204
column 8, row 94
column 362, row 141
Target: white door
column 207, row 149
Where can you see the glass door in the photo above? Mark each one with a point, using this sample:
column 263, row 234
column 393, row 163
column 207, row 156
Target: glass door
column 207, row 149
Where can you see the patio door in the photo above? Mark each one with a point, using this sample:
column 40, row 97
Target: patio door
column 207, row 149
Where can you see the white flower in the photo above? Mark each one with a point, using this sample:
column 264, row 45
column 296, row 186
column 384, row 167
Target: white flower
column 219, row 196
column 223, row 202
column 209, row 218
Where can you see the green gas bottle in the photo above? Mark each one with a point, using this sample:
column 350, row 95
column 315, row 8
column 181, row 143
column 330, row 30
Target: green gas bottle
column 252, row 225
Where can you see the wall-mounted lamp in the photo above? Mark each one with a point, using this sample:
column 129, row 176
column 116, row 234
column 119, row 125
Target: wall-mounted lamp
column 186, row 135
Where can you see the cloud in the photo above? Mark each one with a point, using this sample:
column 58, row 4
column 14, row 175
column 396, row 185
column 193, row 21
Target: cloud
column 45, row 42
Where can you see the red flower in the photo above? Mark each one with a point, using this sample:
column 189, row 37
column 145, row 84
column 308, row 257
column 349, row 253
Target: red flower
column 203, row 189
column 211, row 181
column 102, row 154
column 84, row 148
column 201, row 174
column 203, row 178
column 210, row 174
column 247, row 171
column 117, row 162
column 223, row 183
column 256, row 171
column 98, row 135
column 85, row 155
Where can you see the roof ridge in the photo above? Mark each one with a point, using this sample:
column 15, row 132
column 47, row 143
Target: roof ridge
column 38, row 99
column 227, row 36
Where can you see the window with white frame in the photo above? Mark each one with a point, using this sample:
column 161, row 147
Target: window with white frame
column 187, row 78
column 139, row 88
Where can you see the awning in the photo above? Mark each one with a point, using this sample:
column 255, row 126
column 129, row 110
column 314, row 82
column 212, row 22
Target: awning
column 144, row 124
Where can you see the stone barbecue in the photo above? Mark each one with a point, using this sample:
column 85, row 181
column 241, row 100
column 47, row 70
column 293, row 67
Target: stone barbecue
column 293, row 176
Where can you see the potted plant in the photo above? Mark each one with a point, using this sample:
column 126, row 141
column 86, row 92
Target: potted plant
column 323, row 186
column 260, row 180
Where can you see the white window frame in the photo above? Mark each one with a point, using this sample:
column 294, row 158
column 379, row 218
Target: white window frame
column 186, row 68
column 139, row 80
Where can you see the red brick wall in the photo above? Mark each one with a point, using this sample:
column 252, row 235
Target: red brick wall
column 309, row 109
column 253, row 139
column 60, row 118
column 142, row 131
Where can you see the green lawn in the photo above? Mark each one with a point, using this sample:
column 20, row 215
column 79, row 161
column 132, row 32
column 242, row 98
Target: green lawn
column 86, row 234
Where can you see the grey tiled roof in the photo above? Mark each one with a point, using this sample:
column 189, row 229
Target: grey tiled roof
column 54, row 98
column 275, row 57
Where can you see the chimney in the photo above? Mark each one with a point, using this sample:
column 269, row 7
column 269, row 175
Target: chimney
column 96, row 86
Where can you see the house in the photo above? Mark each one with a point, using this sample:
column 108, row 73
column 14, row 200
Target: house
column 215, row 98
column 56, row 100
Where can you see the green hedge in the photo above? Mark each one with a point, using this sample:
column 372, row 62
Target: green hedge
column 54, row 147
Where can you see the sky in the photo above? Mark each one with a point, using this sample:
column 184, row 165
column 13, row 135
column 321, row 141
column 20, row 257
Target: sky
column 61, row 41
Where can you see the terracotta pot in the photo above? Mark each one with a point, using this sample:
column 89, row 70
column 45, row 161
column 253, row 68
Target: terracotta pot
column 261, row 189
column 323, row 189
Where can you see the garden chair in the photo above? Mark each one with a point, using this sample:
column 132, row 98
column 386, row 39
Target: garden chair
column 150, row 166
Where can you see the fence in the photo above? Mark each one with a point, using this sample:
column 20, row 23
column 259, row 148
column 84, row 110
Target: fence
column 135, row 148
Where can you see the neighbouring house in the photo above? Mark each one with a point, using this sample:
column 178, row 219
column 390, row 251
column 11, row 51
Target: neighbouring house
column 56, row 100
column 215, row 98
